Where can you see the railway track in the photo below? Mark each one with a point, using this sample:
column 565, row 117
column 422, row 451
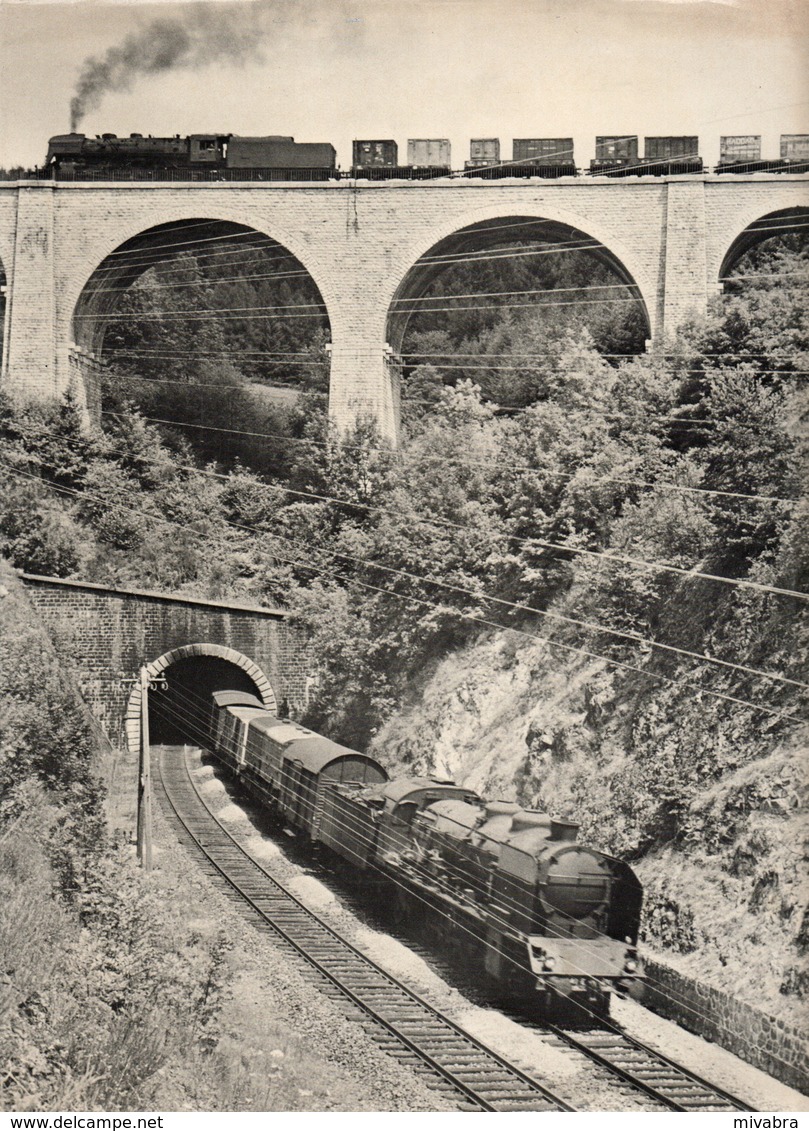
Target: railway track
column 403, row 1024
column 639, row 1067
column 651, row 1072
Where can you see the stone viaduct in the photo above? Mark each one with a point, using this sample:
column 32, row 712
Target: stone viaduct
column 362, row 243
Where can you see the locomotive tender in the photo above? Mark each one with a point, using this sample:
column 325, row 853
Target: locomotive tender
column 280, row 158
column 542, row 916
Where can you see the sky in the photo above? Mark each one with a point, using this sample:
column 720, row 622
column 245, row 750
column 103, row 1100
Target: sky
column 333, row 70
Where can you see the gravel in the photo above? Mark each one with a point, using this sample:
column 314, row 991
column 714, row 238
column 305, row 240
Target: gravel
column 326, row 1063
column 518, row 1043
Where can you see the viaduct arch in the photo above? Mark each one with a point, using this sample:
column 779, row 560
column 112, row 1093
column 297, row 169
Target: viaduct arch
column 485, row 228
column 759, row 228
column 359, row 241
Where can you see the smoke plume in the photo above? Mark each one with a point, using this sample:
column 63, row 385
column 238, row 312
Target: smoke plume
column 203, row 36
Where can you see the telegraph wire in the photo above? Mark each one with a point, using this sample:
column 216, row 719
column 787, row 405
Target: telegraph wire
column 418, row 868
column 217, row 280
column 299, row 358
column 778, row 714
column 634, row 638
column 455, row 462
column 668, row 421
column 442, row 887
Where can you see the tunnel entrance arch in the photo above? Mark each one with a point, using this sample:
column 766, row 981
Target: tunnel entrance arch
column 196, row 668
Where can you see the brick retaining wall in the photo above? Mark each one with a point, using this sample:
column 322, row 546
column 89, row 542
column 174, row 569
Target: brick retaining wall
column 763, row 1041
column 101, row 631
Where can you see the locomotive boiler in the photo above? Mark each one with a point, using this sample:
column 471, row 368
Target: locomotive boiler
column 542, row 917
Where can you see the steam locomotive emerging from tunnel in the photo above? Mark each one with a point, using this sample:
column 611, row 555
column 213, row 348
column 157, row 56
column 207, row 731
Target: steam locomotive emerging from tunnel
column 278, row 157
column 544, row 918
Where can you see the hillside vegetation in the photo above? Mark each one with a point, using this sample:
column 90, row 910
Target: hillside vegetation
column 102, row 981
column 478, row 601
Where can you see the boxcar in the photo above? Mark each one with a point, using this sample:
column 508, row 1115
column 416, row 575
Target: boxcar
column 543, row 150
column 228, row 712
column 431, row 152
column 310, row 765
column 375, row 154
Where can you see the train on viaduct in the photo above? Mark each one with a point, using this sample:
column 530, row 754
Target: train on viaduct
column 369, row 248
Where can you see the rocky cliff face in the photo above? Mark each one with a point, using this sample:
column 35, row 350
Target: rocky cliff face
column 707, row 811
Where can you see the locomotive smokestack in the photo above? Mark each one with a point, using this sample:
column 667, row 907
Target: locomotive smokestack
column 200, row 38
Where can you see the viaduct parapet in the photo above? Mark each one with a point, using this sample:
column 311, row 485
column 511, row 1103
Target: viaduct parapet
column 673, row 238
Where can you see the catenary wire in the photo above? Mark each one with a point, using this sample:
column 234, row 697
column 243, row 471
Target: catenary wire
column 779, row 714
column 608, row 556
column 634, row 638
column 527, row 469
column 445, row 888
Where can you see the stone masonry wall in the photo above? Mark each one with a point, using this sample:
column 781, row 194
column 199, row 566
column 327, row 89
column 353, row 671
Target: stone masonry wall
column 763, row 1041
column 101, row 632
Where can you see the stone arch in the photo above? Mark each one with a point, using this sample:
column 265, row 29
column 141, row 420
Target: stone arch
column 102, row 241
column 627, row 265
column 758, row 227
column 99, row 270
column 188, row 651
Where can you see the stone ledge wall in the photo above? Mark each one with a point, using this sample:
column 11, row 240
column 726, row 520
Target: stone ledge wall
column 763, row 1041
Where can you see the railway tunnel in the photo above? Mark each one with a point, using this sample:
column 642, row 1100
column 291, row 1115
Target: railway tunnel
column 179, row 712
column 182, row 681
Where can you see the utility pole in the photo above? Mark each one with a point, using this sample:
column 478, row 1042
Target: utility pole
column 144, row 823
column 145, row 779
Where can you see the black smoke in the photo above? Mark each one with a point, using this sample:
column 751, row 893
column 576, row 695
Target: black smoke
column 204, row 35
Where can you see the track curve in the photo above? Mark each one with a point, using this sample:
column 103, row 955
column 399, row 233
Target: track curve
column 408, row 1027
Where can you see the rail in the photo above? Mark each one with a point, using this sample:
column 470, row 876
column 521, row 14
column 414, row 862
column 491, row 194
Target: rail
column 480, row 1078
column 401, row 173
column 650, row 1071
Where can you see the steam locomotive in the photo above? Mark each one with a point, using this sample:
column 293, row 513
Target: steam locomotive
column 196, row 156
column 280, row 158
column 544, row 918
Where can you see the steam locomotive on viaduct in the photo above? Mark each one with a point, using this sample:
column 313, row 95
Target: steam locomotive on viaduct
column 281, row 158
column 541, row 916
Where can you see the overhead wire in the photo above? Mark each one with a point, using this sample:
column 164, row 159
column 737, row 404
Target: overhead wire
column 302, row 357
column 442, row 887
column 235, row 750
column 527, row 469
column 779, row 714
column 213, row 281
column 673, row 421
column 634, row 638
column 286, row 779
